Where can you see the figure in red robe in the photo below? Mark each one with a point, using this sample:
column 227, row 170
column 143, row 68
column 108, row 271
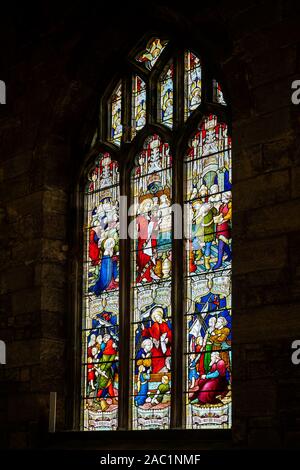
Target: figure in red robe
column 213, row 384
column 94, row 249
column 161, row 335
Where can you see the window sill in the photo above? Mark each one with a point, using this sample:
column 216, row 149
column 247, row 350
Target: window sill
column 172, row 439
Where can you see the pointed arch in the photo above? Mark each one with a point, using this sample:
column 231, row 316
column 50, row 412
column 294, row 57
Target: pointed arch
column 150, row 322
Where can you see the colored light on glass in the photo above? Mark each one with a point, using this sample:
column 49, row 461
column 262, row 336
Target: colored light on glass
column 218, row 96
column 138, row 104
column 152, row 52
column 100, row 323
column 208, row 276
column 193, row 84
column 116, row 116
column 166, row 96
column 151, row 257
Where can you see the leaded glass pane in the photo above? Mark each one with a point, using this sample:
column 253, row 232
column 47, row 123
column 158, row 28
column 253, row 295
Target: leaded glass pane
column 166, row 93
column 116, row 116
column 138, row 105
column 151, row 256
column 152, row 52
column 193, row 83
column 208, row 210
column 218, row 96
column 100, row 322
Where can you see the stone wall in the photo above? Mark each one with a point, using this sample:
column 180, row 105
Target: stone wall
column 56, row 65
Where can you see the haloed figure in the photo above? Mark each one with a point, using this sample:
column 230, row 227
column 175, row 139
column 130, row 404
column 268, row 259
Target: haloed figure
column 161, row 336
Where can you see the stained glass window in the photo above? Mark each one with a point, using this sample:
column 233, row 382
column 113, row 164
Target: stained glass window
column 151, row 286
column 218, row 96
column 116, row 116
column 100, row 327
column 208, row 276
column 153, row 50
column 138, row 324
column 192, row 78
column 138, row 104
column 166, row 96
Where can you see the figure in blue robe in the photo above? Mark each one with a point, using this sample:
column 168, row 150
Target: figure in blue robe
column 108, row 270
column 227, row 182
column 193, row 374
column 142, row 395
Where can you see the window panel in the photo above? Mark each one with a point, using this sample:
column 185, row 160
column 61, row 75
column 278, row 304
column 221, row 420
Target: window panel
column 116, row 128
column 218, row 96
column 205, row 171
column 151, row 298
column 193, row 83
column 166, row 91
column 138, row 105
column 208, row 282
column 100, row 330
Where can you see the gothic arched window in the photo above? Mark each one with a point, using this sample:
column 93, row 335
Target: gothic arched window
column 156, row 310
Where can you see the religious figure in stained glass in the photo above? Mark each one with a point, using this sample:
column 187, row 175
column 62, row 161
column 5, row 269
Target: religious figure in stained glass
column 138, row 104
column 208, row 176
column 166, row 96
column 208, row 263
column 147, row 100
column 116, row 116
column 192, row 80
column 152, row 264
column 100, row 329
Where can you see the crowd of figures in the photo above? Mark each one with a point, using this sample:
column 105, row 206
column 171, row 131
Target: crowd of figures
column 152, row 261
column 153, row 344
column 210, row 236
column 208, row 308
column 209, row 359
column 101, row 297
column 102, row 353
column 208, row 242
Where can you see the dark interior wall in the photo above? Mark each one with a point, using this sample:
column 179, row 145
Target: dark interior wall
column 56, row 64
